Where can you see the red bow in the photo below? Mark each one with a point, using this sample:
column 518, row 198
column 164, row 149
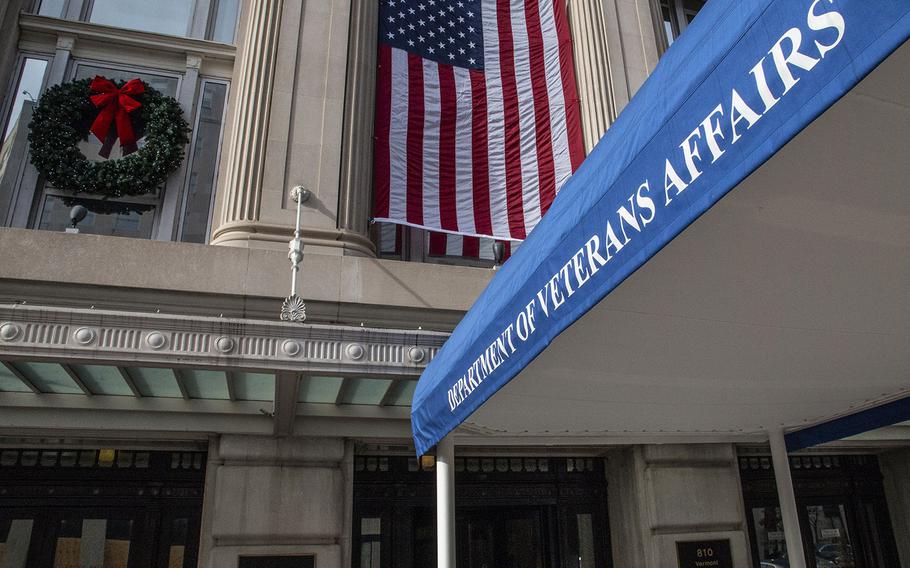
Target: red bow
column 115, row 104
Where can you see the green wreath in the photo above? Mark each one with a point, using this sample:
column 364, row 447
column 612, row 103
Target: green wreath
column 64, row 117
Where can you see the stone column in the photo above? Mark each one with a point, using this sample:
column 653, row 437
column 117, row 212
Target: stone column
column 616, row 47
column 255, row 78
column 288, row 114
column 665, row 494
column 355, row 194
column 275, row 496
column 592, row 68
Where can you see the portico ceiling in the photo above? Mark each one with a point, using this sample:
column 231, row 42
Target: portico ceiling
column 784, row 305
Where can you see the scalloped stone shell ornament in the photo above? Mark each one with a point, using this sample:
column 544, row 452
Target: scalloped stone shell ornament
column 293, row 309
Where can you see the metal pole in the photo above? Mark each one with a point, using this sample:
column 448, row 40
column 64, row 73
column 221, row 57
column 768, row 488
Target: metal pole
column 788, row 510
column 445, row 503
column 296, row 266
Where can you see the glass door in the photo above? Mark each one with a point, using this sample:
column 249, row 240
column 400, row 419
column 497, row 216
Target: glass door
column 502, row 538
column 830, row 535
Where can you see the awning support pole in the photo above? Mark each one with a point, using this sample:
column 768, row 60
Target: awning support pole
column 788, row 510
column 445, row 502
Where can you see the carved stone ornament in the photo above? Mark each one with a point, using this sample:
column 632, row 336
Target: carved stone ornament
column 293, row 309
column 291, row 348
column 224, row 344
column 9, row 331
column 356, row 351
column 417, row 354
column 156, row 340
column 84, row 335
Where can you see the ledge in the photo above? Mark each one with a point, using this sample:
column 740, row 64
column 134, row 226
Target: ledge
column 28, row 332
column 118, row 36
column 140, row 275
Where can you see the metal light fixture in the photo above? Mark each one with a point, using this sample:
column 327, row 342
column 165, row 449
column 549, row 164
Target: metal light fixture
column 294, row 309
column 77, row 214
column 499, row 251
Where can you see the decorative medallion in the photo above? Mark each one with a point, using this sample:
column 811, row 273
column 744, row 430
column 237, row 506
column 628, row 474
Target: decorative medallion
column 9, row 331
column 355, row 351
column 84, row 335
column 224, row 344
column 291, row 348
column 156, row 340
column 417, row 354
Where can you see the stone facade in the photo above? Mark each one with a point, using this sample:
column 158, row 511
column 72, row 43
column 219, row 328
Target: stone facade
column 279, row 478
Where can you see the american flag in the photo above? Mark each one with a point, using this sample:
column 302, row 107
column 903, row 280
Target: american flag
column 391, row 243
column 477, row 122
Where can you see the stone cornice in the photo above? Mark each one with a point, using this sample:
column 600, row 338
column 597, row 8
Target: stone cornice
column 119, row 36
column 125, row 338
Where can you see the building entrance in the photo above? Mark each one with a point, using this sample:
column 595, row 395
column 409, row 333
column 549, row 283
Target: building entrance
column 111, row 508
column 511, row 512
column 843, row 513
column 506, row 537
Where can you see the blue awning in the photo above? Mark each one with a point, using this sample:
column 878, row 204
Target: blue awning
column 744, row 79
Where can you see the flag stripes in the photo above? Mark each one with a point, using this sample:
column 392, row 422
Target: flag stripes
column 478, row 147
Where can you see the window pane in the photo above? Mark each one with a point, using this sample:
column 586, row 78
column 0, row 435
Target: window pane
column 201, row 183
column 15, row 536
column 390, row 239
column 370, row 536
column 691, row 8
column 28, row 89
column 161, row 16
column 51, row 8
column 769, row 534
column 162, row 83
column 104, row 217
column 585, row 540
column 225, row 21
column 830, row 538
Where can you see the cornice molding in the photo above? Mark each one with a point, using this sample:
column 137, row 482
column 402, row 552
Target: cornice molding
column 32, row 332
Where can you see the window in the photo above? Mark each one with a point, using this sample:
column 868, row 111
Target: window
column 200, row 190
column 209, row 19
column 400, row 242
column 172, row 17
column 52, row 8
column 676, row 15
column 224, row 23
column 14, row 143
column 131, row 216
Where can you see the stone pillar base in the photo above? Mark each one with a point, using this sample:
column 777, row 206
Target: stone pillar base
column 258, row 235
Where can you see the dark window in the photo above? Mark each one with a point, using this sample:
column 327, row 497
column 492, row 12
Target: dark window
column 842, row 512
column 511, row 512
column 675, row 16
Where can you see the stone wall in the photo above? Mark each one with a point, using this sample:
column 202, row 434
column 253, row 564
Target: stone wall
column 664, row 494
column 277, row 496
